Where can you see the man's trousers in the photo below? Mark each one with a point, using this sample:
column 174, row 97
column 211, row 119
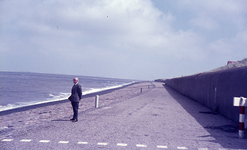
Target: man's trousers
column 75, row 106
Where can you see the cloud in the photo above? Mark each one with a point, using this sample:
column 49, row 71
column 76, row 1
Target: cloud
column 94, row 34
column 126, row 39
column 236, row 44
column 211, row 14
column 205, row 22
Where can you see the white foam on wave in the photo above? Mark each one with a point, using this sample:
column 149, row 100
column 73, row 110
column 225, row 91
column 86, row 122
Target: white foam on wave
column 53, row 98
column 94, row 90
column 62, row 96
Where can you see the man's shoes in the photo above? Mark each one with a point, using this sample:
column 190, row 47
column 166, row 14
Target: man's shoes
column 74, row 120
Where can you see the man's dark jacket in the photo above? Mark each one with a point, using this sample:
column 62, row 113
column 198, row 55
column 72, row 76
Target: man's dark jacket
column 76, row 93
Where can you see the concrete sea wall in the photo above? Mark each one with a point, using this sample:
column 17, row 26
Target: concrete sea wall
column 214, row 89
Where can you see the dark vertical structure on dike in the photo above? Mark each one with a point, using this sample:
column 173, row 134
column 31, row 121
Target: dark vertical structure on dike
column 214, row 89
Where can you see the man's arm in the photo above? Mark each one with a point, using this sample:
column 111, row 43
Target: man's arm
column 79, row 90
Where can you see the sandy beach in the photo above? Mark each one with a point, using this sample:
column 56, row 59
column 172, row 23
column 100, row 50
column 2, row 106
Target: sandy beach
column 22, row 120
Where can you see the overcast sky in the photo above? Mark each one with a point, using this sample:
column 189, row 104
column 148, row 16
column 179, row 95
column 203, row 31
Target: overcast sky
column 131, row 39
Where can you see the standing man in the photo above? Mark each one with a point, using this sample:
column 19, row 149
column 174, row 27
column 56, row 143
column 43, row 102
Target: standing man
column 75, row 98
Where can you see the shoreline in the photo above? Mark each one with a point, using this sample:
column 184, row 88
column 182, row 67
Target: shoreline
column 54, row 102
column 22, row 120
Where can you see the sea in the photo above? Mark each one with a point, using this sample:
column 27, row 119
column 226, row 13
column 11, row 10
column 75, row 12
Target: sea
column 19, row 89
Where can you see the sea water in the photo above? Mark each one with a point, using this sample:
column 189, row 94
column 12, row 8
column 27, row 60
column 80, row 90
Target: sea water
column 19, row 89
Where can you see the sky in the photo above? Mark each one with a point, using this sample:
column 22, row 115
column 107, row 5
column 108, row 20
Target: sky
column 129, row 39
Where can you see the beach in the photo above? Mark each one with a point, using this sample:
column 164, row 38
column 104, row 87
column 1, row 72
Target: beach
column 21, row 120
column 147, row 115
column 37, row 88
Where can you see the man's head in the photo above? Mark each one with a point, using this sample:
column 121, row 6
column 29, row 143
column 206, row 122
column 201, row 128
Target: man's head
column 75, row 80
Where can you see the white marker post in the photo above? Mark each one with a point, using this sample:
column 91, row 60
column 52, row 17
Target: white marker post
column 242, row 102
column 96, row 101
